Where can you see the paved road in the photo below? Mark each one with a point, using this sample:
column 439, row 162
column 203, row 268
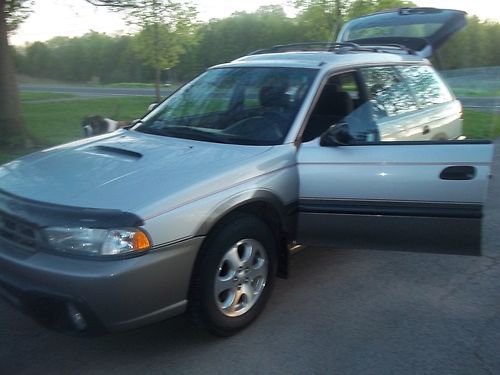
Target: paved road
column 92, row 91
column 482, row 103
column 340, row 312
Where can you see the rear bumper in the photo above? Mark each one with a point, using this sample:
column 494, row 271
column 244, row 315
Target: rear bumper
column 110, row 295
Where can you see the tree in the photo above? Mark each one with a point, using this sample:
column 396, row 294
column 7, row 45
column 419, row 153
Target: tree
column 166, row 28
column 223, row 40
column 323, row 19
column 12, row 129
column 361, row 7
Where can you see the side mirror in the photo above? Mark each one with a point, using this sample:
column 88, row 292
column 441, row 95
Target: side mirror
column 336, row 135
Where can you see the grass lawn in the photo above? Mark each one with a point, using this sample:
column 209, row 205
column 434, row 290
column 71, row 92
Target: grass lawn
column 481, row 125
column 30, row 96
column 467, row 91
column 54, row 123
column 59, row 122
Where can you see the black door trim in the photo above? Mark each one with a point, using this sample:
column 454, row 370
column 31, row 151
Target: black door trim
column 391, row 208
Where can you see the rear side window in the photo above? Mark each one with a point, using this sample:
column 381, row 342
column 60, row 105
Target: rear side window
column 426, row 85
column 387, row 91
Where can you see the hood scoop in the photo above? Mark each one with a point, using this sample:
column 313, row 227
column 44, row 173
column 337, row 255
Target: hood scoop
column 114, row 152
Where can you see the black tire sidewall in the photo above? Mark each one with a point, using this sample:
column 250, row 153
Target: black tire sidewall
column 239, row 228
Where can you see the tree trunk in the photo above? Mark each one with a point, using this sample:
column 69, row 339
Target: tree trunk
column 13, row 133
column 339, row 21
column 157, row 84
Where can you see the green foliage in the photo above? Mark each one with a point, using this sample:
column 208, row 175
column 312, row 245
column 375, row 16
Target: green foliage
column 158, row 47
column 476, row 45
column 229, row 38
column 92, row 57
column 166, row 28
column 16, row 11
column 361, row 7
column 322, row 19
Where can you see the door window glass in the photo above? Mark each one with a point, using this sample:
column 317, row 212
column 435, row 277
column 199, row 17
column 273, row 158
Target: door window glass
column 426, row 85
column 341, row 102
column 388, row 93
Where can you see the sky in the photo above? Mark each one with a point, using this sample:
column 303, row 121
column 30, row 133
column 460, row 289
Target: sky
column 76, row 17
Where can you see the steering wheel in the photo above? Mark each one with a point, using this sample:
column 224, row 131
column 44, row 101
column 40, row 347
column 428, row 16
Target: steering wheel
column 266, row 126
column 277, row 121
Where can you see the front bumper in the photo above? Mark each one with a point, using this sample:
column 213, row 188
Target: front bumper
column 110, row 295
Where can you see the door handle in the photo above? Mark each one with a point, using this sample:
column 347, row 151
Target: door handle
column 458, row 172
column 426, row 130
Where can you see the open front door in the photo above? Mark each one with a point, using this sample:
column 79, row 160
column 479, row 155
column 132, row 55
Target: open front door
column 420, row 29
column 406, row 196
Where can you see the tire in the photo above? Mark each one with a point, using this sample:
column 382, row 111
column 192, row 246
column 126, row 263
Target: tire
column 234, row 275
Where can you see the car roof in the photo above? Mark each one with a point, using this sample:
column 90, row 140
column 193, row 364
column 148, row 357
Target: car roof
column 323, row 59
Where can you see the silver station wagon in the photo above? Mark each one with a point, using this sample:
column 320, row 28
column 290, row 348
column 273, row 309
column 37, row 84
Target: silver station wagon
column 354, row 144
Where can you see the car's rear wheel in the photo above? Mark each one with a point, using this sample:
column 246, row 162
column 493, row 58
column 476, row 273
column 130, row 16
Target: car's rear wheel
column 234, row 275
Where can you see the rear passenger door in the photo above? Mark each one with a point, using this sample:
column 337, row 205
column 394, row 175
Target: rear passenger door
column 440, row 113
column 411, row 103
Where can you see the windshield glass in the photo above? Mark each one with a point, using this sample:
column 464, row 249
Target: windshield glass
column 253, row 106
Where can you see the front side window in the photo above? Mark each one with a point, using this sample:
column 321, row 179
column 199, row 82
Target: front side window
column 341, row 101
column 254, row 106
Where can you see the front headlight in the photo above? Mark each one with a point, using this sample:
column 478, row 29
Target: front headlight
column 97, row 242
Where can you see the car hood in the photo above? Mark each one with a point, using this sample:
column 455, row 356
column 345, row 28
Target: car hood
column 128, row 170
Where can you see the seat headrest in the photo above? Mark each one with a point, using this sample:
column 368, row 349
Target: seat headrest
column 333, row 102
column 273, row 96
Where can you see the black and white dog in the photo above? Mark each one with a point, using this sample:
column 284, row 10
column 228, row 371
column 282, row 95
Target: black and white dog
column 96, row 125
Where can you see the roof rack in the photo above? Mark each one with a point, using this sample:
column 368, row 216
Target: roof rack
column 385, row 48
column 335, row 47
column 308, row 46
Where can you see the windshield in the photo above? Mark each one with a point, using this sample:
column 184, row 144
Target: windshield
column 252, row 106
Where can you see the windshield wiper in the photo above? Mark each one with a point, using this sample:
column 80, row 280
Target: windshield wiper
column 195, row 134
column 149, row 130
column 186, row 132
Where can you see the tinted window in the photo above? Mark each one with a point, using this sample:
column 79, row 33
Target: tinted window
column 426, row 85
column 387, row 91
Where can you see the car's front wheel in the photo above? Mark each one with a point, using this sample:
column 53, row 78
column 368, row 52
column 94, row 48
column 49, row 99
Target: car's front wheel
column 234, row 275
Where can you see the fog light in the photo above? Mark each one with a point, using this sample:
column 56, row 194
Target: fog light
column 76, row 317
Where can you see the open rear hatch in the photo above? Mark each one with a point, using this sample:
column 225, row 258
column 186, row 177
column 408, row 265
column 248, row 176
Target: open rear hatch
column 420, row 29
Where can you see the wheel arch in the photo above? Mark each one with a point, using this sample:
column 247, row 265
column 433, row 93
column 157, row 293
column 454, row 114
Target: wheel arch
column 265, row 205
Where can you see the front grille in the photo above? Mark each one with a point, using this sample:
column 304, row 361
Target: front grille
column 17, row 232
